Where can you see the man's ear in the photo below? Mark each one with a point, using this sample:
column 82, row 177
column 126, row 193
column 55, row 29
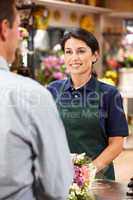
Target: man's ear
column 4, row 27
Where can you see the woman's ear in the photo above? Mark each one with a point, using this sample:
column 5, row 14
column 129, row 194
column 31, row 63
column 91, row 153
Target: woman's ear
column 95, row 57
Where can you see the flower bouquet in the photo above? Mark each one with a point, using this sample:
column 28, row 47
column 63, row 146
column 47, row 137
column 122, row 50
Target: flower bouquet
column 84, row 174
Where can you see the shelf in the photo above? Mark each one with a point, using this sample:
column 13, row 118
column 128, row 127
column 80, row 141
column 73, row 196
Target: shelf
column 116, row 34
column 123, row 15
column 113, row 34
column 73, row 6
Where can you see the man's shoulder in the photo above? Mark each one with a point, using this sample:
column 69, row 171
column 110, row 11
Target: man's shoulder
column 13, row 79
column 19, row 84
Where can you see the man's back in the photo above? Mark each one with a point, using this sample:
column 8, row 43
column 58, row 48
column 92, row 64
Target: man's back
column 29, row 140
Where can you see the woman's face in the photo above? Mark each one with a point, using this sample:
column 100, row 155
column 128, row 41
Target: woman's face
column 78, row 57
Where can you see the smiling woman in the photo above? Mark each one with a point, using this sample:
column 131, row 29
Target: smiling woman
column 91, row 111
column 79, row 59
column 80, row 48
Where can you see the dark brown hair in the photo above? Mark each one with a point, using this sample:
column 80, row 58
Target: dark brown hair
column 83, row 35
column 7, row 11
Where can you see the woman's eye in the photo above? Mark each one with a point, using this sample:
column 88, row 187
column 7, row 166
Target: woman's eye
column 68, row 52
column 81, row 51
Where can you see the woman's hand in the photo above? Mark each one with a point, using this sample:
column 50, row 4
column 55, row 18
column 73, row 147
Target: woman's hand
column 110, row 153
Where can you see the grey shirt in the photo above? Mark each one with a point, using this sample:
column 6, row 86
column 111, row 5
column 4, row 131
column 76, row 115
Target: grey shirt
column 31, row 135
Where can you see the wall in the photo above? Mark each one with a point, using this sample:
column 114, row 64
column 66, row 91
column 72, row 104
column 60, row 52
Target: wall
column 120, row 5
column 114, row 25
column 64, row 20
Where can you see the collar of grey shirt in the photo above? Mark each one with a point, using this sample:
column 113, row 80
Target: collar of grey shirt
column 3, row 64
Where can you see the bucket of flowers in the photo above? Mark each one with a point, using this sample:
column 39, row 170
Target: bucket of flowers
column 84, row 175
column 52, row 68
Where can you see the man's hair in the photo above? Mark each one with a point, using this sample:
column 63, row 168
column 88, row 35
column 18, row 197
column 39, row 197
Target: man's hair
column 7, row 11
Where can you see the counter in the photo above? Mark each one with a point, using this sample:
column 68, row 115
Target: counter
column 109, row 190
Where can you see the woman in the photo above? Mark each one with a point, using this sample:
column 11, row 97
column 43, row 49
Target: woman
column 91, row 111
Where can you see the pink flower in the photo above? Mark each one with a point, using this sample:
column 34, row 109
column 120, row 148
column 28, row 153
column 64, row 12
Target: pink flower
column 61, row 61
column 78, row 176
column 58, row 75
column 85, row 173
column 51, row 61
column 52, row 69
column 23, row 33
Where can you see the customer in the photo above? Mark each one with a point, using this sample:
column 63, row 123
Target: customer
column 33, row 144
column 92, row 111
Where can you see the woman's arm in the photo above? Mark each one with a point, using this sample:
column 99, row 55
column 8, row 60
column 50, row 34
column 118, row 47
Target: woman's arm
column 110, row 153
column 115, row 126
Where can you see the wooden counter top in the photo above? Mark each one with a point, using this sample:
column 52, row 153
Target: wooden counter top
column 109, row 190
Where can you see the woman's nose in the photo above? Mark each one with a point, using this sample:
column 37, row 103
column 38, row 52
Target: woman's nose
column 75, row 55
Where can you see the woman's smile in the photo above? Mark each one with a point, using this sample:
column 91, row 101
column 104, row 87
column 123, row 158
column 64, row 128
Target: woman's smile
column 75, row 65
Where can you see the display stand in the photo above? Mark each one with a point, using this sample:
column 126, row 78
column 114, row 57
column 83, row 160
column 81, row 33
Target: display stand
column 126, row 86
column 126, row 90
